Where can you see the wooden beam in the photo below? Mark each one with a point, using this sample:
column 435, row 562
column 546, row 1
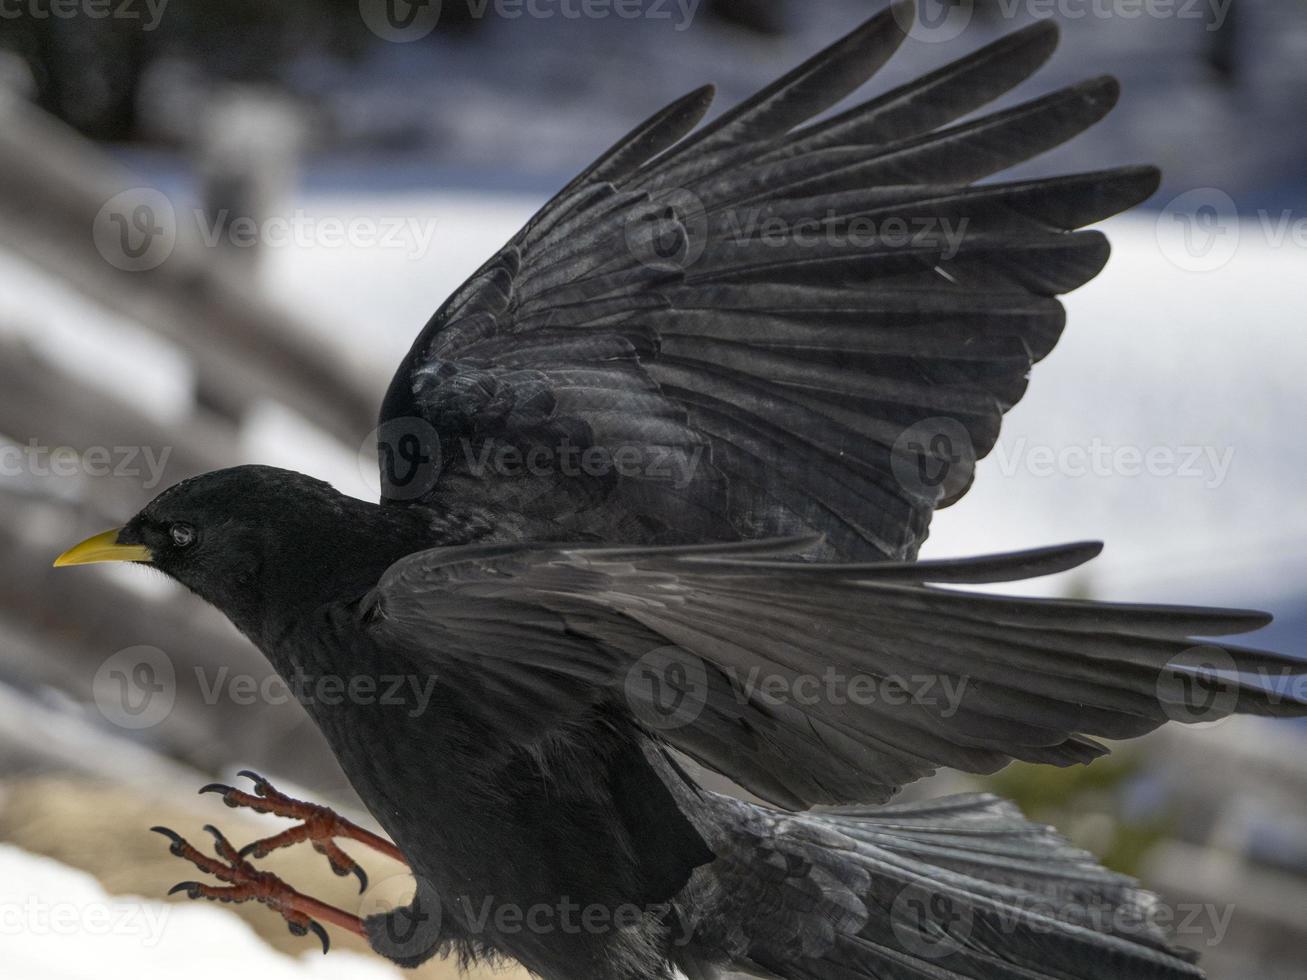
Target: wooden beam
column 53, row 200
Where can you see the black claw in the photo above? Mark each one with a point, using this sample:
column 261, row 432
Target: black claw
column 248, row 849
column 362, row 877
column 177, row 842
column 321, row 933
column 215, row 788
column 191, row 888
column 258, row 781
column 214, row 832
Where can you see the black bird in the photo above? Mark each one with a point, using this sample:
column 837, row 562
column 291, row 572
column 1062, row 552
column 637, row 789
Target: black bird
column 654, row 481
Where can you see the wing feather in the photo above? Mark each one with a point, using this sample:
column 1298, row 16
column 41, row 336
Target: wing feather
column 817, row 683
column 789, row 379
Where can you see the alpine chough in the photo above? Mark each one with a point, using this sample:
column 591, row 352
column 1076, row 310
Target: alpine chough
column 653, row 484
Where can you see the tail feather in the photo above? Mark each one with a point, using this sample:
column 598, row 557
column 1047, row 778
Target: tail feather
column 963, row 888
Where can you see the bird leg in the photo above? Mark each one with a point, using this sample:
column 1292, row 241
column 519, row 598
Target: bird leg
column 318, row 824
column 247, row 883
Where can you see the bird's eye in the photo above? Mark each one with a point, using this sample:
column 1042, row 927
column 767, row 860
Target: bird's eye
column 183, row 535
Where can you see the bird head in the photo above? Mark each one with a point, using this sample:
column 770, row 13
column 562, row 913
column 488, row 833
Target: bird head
column 257, row 542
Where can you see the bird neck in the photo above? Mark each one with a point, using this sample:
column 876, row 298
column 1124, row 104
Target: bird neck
column 336, row 561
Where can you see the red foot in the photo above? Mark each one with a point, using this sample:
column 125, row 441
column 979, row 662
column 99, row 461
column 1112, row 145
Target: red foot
column 318, row 824
column 247, row 883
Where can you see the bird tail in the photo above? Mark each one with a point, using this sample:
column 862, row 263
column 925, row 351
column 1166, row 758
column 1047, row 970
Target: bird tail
column 961, row 887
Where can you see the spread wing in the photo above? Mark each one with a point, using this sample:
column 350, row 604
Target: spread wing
column 766, row 327
column 812, row 683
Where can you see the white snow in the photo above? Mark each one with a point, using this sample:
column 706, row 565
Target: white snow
column 57, row 923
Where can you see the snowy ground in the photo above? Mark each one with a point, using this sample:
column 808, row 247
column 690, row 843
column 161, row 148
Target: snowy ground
column 57, row 923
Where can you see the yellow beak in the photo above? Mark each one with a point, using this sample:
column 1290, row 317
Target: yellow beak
column 103, row 547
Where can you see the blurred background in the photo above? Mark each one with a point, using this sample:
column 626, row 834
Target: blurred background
column 223, row 221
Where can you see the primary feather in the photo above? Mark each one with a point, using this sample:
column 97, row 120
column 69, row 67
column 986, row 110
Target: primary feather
column 775, row 383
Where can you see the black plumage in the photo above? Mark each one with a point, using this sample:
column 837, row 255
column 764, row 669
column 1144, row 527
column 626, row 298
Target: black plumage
column 811, row 400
